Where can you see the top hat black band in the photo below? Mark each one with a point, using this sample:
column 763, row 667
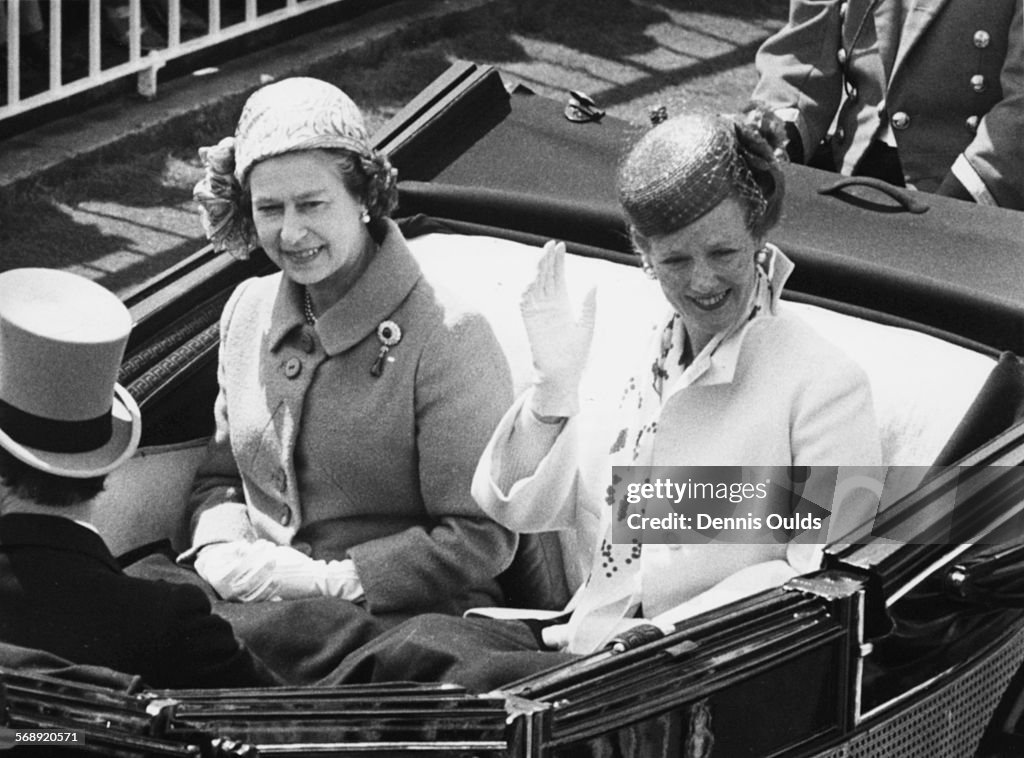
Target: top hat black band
column 55, row 436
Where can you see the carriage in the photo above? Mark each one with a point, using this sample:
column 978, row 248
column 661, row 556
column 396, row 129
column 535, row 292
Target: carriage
column 908, row 642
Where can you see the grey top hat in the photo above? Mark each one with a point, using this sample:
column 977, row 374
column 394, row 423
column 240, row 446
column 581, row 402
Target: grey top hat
column 62, row 338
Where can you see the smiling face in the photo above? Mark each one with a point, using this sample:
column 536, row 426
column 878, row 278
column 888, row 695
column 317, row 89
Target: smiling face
column 706, row 270
column 309, row 224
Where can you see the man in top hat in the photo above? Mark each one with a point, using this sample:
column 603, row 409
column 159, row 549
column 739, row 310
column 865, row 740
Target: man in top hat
column 64, row 425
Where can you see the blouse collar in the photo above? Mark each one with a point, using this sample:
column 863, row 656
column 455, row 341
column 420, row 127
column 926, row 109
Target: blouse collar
column 716, row 363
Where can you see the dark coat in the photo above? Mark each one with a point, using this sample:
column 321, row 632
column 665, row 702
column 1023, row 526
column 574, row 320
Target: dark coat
column 63, row 592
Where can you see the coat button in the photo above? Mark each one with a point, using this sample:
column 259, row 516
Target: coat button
column 978, row 83
column 280, row 480
column 286, row 517
column 840, row 134
column 841, row 56
column 306, row 341
column 982, row 38
column 292, row 368
column 900, row 120
column 972, row 123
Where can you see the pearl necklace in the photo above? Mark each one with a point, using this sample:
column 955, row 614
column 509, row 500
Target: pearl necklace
column 307, row 307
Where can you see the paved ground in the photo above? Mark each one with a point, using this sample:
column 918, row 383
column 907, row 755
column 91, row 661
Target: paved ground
column 107, row 193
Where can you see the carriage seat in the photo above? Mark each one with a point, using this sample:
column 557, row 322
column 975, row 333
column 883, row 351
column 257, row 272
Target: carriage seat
column 922, row 386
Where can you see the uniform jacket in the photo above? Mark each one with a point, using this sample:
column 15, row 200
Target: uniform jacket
column 62, row 591
column 775, row 393
column 953, row 86
column 312, row 450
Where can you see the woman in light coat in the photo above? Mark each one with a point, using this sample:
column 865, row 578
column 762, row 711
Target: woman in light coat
column 355, row 396
column 730, row 381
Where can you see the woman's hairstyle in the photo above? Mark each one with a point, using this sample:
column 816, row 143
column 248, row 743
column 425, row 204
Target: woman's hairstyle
column 685, row 166
column 41, row 488
column 371, row 180
column 292, row 115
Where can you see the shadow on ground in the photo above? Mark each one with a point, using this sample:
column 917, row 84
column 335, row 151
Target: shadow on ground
column 126, row 217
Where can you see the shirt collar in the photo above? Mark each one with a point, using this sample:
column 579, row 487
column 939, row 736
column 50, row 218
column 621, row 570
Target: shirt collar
column 386, row 282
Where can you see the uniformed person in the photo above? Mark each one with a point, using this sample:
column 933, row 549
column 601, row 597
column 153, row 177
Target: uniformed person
column 927, row 94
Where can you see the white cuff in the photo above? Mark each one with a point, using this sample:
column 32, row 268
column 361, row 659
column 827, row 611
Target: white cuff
column 973, row 183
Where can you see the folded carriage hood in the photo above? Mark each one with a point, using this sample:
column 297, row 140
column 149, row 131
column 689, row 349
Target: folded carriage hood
column 511, row 161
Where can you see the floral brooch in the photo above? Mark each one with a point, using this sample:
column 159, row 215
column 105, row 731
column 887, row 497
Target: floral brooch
column 388, row 334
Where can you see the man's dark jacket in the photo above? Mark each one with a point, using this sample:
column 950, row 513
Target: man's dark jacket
column 63, row 592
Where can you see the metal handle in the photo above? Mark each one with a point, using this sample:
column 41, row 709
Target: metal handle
column 907, row 201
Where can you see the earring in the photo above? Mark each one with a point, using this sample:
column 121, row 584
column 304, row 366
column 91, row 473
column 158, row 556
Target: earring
column 645, row 264
column 365, row 216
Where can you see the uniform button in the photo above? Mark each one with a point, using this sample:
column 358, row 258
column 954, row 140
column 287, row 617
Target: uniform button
column 978, row 83
column 280, row 480
column 982, row 38
column 840, row 134
column 286, row 517
column 841, row 56
column 842, row 10
column 900, row 120
column 972, row 123
column 852, row 94
column 307, row 342
column 292, row 368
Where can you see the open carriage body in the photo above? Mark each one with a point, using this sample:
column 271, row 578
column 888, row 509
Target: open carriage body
column 905, row 644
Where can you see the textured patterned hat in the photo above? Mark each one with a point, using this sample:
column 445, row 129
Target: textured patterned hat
column 679, row 171
column 300, row 113
column 293, row 114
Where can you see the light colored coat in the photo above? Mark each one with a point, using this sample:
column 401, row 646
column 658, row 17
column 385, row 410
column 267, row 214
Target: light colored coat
column 775, row 393
column 312, row 450
column 952, row 81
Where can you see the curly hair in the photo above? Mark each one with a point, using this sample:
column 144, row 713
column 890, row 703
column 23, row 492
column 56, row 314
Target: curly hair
column 371, row 180
column 226, row 207
column 42, row 488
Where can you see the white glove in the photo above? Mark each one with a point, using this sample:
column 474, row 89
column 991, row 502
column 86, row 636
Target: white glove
column 559, row 342
column 236, row 570
column 339, row 579
column 254, row 571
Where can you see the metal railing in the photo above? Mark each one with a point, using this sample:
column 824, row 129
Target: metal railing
column 37, row 41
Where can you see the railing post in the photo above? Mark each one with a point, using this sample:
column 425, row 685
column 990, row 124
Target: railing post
column 95, row 52
column 13, row 52
column 173, row 23
column 56, row 79
column 147, row 78
column 142, row 64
